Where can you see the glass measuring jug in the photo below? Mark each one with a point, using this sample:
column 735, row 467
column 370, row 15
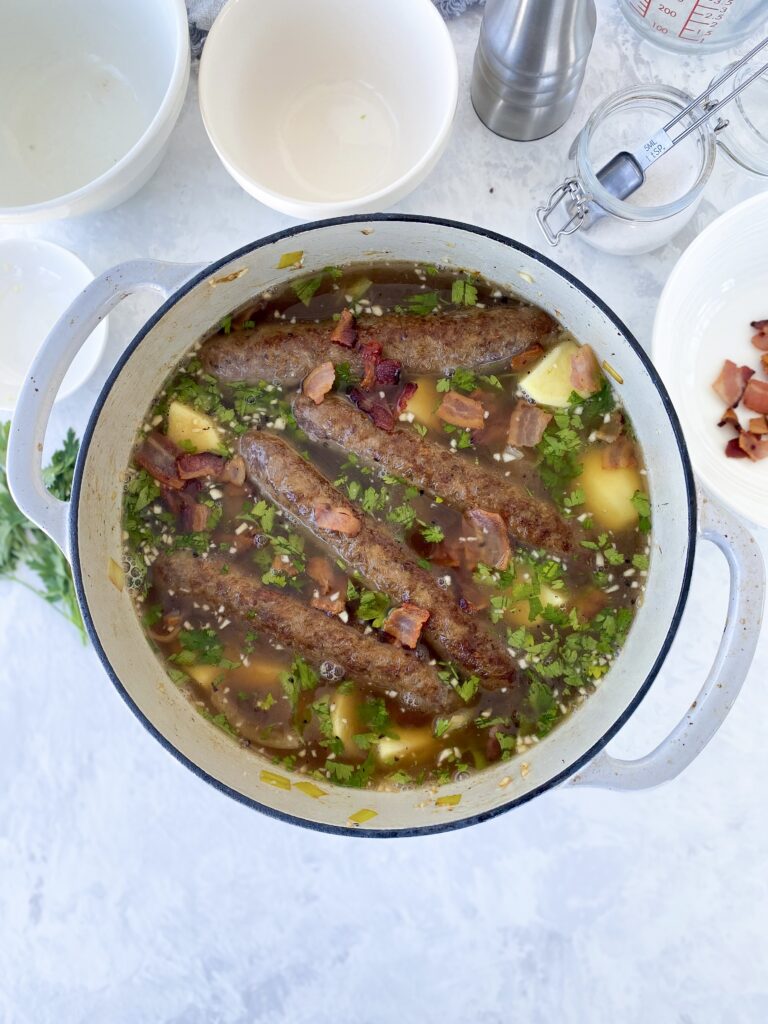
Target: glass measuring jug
column 695, row 25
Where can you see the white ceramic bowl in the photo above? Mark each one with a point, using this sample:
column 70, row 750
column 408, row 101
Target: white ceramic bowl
column 90, row 92
column 718, row 286
column 323, row 109
column 38, row 281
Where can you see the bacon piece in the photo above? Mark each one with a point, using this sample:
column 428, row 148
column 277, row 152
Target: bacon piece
column 473, row 599
column 371, row 353
column 194, row 517
column 492, row 538
column 758, row 425
column 336, row 519
column 319, row 382
column 158, row 454
column 621, row 454
column 406, row 623
column 730, row 416
column 611, row 428
column 756, row 396
column 345, row 331
column 760, row 339
column 388, row 371
column 524, row 359
column 325, row 574
column 406, row 394
column 283, row 564
column 379, row 412
column 461, row 411
column 586, row 377
column 331, row 605
column 527, row 425
column 755, row 447
column 732, row 381
column 734, row 450
column 234, row 471
column 193, row 466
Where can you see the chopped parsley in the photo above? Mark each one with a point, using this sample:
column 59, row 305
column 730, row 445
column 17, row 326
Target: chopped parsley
column 373, row 607
column 463, row 292
column 642, row 506
column 299, row 678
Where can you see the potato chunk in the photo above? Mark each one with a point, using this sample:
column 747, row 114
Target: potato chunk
column 413, row 744
column 549, row 382
column 345, row 718
column 424, row 403
column 204, row 674
column 192, row 430
column 608, row 492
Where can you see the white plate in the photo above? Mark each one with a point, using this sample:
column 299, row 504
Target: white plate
column 38, row 281
column 718, row 286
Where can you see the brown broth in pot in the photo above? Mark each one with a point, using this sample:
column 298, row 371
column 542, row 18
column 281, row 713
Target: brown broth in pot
column 560, row 619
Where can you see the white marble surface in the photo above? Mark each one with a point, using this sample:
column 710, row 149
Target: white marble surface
column 130, row 891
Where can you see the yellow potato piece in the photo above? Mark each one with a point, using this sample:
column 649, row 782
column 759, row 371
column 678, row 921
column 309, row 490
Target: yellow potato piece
column 424, row 403
column 259, row 675
column 204, row 674
column 608, row 492
column 414, row 743
column 518, row 614
column 346, row 721
column 189, row 429
column 549, row 382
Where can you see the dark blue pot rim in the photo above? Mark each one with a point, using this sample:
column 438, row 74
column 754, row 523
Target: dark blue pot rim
column 448, row 824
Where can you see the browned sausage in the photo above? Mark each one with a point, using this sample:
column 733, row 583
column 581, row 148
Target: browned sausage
column 288, row 621
column 370, row 550
column 435, row 469
column 284, row 353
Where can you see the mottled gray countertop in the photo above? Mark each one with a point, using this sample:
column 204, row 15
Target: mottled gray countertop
column 130, row 891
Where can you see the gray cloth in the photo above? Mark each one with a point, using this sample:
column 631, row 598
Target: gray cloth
column 202, row 14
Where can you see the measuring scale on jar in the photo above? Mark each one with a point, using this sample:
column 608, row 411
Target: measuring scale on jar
column 703, row 25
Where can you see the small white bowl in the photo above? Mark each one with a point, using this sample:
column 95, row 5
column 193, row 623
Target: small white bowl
column 91, row 90
column 718, row 286
column 320, row 109
column 38, row 281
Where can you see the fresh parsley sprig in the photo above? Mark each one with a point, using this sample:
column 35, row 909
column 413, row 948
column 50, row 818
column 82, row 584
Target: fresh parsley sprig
column 22, row 545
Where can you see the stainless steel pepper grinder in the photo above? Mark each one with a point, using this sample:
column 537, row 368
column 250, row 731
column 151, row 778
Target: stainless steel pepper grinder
column 529, row 64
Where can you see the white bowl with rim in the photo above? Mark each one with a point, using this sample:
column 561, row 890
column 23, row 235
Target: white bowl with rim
column 38, row 281
column 91, row 91
column 325, row 109
column 717, row 287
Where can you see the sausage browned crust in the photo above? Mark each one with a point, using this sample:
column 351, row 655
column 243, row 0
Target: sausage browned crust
column 435, row 469
column 288, row 621
column 283, row 475
column 281, row 352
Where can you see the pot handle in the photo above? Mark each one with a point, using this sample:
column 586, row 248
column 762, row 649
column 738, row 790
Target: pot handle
column 729, row 669
column 33, row 409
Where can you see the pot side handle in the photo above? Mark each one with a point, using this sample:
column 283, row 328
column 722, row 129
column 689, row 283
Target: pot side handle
column 729, row 669
column 33, row 409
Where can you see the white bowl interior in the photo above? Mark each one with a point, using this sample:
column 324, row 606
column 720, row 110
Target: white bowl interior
column 38, row 281
column 717, row 287
column 81, row 81
column 327, row 101
column 99, row 531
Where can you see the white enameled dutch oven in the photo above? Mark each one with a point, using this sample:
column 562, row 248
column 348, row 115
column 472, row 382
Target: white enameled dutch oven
column 88, row 528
